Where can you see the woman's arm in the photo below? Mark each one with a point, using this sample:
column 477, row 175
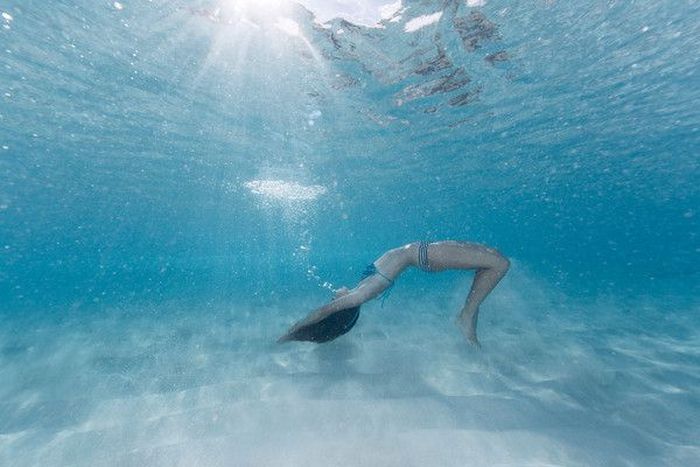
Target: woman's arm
column 365, row 291
column 386, row 269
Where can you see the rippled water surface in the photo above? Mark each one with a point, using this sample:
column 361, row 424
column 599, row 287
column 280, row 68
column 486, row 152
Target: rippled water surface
column 180, row 181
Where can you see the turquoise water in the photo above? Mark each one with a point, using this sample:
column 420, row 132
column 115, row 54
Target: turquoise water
column 181, row 181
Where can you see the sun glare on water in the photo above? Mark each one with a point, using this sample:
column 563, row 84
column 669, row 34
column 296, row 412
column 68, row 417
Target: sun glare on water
column 270, row 7
column 259, row 14
column 241, row 25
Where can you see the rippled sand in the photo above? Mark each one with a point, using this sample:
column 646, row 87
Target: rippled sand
column 557, row 383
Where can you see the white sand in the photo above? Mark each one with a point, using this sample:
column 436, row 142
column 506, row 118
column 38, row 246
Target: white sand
column 556, row 384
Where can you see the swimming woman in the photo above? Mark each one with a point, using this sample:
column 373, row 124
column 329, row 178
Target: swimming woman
column 338, row 316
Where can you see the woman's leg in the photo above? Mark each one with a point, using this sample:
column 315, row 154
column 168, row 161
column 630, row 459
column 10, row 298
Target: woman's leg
column 484, row 282
column 490, row 267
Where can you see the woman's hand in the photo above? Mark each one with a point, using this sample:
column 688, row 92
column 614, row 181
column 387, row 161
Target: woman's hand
column 341, row 292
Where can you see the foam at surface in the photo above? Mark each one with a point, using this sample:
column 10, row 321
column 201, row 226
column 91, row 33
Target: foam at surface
column 556, row 384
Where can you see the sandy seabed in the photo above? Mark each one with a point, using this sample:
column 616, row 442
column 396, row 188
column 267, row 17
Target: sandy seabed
column 557, row 383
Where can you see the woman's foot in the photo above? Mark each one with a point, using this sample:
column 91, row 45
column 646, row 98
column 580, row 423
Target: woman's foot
column 466, row 322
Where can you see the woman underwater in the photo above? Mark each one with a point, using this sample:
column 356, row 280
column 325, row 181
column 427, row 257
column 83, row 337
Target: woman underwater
column 339, row 316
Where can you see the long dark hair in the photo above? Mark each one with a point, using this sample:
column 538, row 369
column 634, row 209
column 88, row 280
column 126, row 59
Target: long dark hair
column 329, row 328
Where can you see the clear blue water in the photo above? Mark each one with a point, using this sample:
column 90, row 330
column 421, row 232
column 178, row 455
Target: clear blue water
column 180, row 181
